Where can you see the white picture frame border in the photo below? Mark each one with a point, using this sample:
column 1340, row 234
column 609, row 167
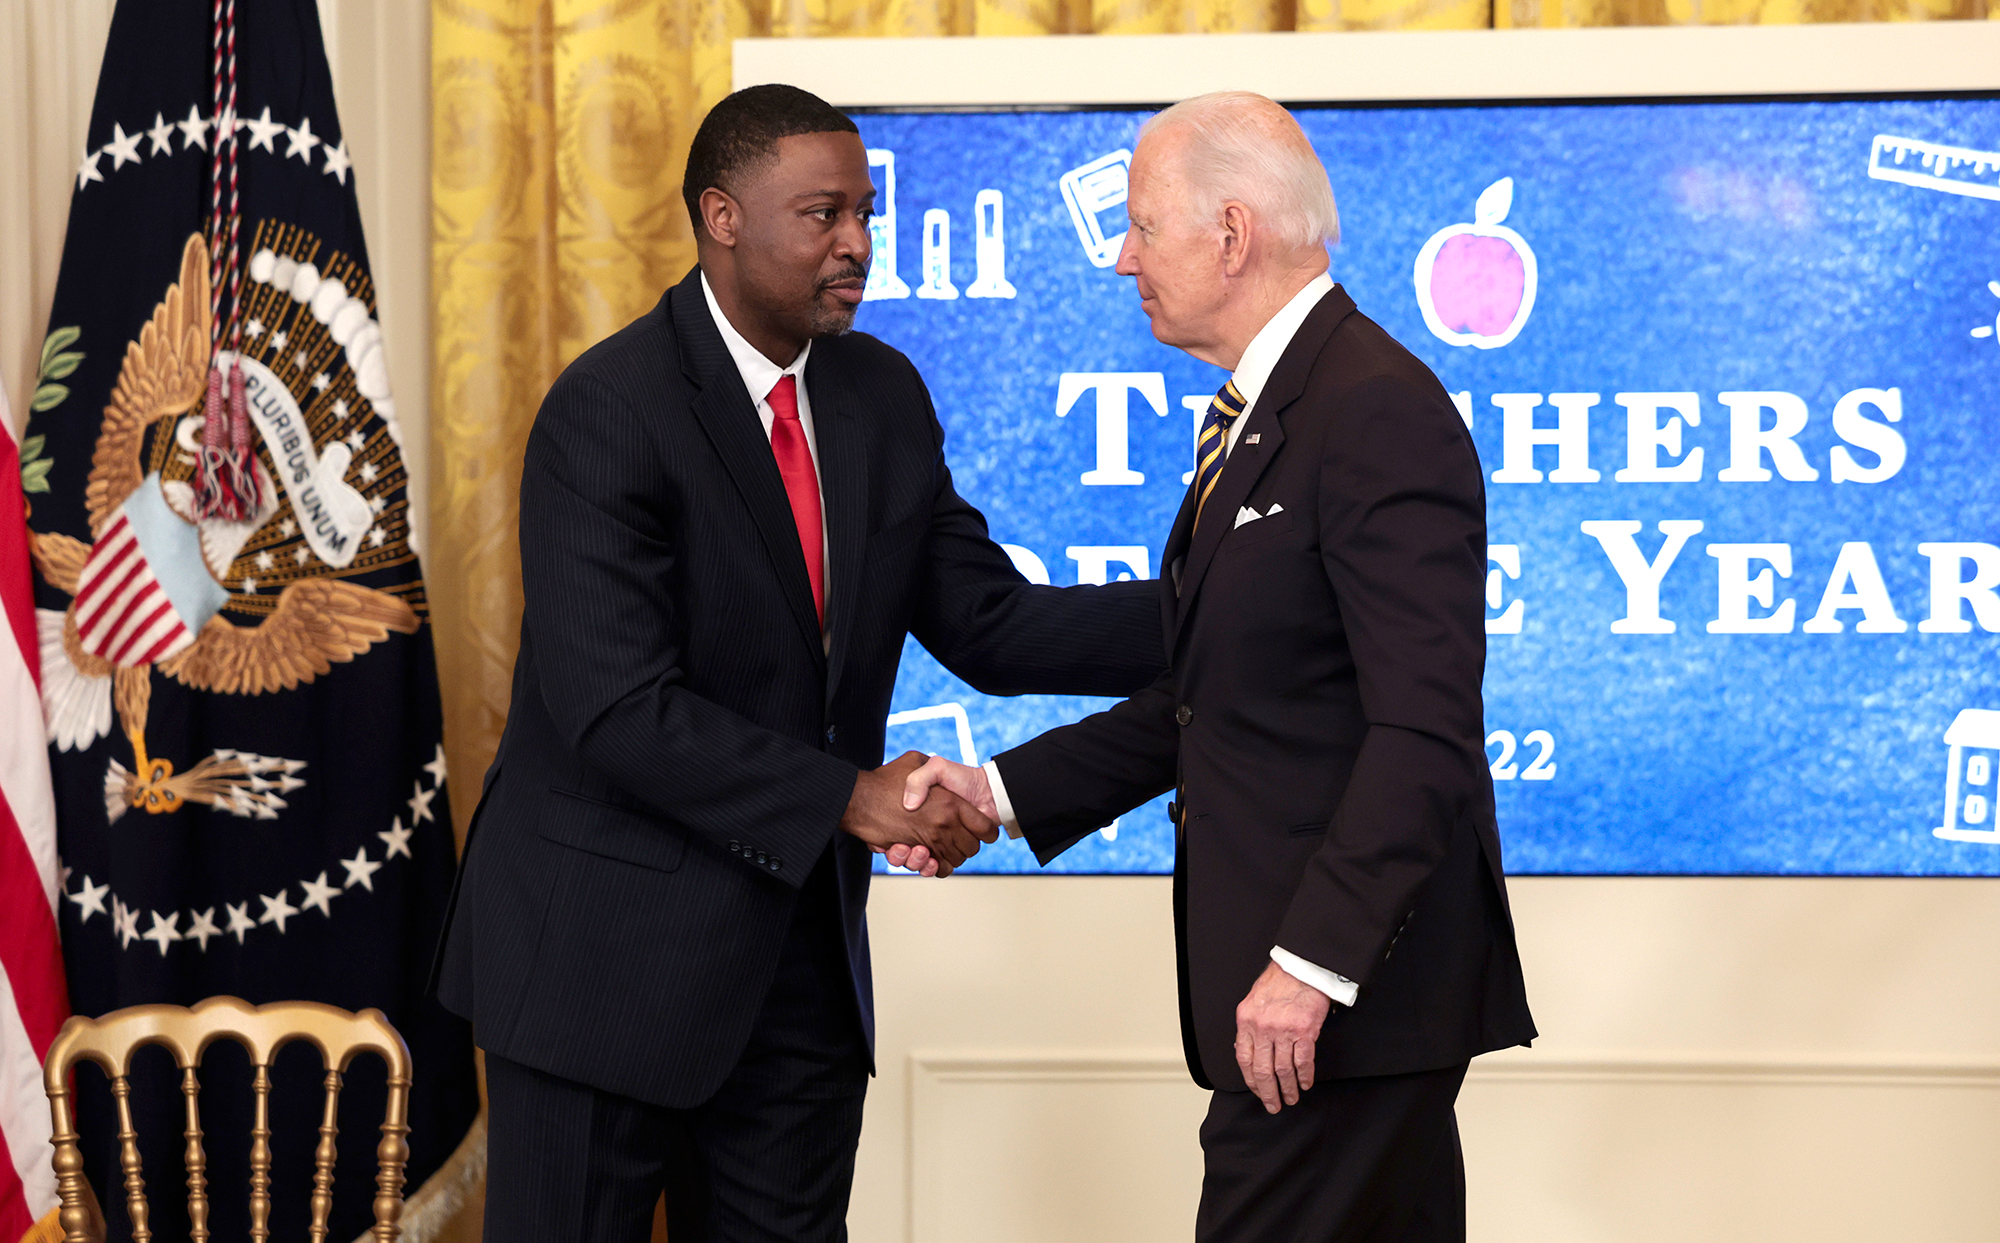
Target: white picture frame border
column 1457, row 65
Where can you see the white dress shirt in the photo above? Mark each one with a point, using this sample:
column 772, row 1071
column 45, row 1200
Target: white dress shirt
column 1253, row 372
column 760, row 376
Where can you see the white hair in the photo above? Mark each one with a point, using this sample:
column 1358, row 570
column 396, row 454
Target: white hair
column 1247, row 148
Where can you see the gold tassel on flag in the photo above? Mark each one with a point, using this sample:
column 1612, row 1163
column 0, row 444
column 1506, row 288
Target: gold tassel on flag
column 47, row 1230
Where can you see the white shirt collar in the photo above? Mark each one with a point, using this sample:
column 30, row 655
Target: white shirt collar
column 760, row 374
column 1253, row 370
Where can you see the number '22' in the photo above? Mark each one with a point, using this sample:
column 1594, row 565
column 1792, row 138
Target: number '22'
column 1541, row 768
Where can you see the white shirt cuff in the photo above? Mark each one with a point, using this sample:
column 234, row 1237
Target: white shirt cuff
column 1338, row 987
column 1002, row 805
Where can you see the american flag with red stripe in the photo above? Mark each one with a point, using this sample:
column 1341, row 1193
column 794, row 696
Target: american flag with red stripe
column 33, row 999
column 122, row 612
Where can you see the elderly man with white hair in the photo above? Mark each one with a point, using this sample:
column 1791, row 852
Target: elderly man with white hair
column 1345, row 946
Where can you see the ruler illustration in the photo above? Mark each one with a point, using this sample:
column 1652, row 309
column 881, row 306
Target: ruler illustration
column 1933, row 166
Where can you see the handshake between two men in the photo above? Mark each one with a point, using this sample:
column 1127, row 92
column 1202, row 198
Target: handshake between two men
column 927, row 815
column 948, row 809
column 1307, row 685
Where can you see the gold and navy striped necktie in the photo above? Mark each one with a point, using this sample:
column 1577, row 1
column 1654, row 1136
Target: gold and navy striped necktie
column 1208, row 448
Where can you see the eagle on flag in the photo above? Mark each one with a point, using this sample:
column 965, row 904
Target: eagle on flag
column 146, row 595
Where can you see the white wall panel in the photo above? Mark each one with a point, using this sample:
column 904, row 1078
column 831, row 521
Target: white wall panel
column 1055, row 1149
column 1736, row 1061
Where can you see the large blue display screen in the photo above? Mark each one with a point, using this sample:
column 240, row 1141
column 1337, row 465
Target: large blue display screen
column 1731, row 372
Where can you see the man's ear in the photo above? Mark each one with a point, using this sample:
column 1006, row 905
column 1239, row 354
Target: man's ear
column 721, row 216
column 1236, row 229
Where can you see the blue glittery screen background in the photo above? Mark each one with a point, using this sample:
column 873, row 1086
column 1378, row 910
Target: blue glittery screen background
column 1699, row 248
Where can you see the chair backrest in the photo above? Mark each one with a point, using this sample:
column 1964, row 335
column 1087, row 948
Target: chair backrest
column 187, row 1031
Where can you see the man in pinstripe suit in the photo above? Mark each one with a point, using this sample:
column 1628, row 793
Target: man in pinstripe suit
column 732, row 512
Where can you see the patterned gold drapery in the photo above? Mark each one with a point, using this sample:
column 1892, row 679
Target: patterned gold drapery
column 1731, row 12
column 559, row 130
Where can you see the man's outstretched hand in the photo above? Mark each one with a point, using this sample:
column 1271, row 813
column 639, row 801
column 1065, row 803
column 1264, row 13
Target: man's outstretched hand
column 966, row 783
column 944, row 827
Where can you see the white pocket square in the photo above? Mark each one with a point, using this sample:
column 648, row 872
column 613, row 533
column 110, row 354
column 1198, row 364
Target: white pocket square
column 1247, row 514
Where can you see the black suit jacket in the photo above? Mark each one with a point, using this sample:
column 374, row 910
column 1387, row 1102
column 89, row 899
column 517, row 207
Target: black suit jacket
column 1322, row 720
column 680, row 747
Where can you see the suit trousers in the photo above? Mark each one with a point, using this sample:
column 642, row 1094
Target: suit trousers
column 768, row 1159
column 1372, row 1160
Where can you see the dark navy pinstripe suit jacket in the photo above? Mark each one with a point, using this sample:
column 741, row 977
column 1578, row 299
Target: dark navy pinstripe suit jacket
column 672, row 694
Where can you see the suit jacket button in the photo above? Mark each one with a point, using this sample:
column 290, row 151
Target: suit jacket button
column 762, row 858
column 1184, row 715
column 735, row 848
column 831, row 735
column 775, row 865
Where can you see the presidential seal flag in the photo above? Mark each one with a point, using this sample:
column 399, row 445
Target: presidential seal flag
column 237, row 675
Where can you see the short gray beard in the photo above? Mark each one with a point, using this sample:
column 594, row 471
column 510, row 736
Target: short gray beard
column 824, row 323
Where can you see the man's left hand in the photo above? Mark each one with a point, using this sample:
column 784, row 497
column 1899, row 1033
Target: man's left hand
column 1277, row 1027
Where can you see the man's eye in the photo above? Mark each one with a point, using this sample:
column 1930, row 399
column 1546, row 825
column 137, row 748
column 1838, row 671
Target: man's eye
column 864, row 214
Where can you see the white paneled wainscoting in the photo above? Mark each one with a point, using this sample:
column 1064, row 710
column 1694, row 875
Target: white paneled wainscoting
column 1727, row 1060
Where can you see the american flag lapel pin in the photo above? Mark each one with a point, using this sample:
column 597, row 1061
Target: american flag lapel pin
column 1253, row 438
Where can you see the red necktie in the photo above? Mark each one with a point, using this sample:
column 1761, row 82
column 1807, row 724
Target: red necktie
column 795, row 463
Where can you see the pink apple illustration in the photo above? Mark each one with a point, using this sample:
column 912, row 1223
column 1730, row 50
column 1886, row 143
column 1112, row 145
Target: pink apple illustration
column 1476, row 282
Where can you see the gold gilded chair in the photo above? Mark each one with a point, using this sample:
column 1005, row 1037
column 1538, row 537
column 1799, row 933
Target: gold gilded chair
column 110, row 1042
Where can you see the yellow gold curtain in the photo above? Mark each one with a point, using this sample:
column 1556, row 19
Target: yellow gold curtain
column 1730, row 12
column 559, row 130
